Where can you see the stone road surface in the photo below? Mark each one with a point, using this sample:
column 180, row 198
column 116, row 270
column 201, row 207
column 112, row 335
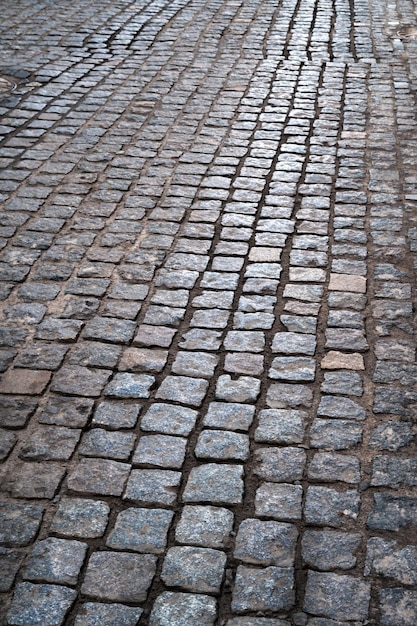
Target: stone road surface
column 208, row 254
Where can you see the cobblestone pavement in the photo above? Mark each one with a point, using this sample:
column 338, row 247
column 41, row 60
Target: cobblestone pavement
column 208, row 251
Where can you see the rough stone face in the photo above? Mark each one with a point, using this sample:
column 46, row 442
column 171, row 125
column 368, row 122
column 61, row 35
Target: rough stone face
column 256, row 621
column 128, row 385
column 391, row 436
column 335, row 434
column 160, row 450
column 391, row 512
column 398, row 606
column 347, row 282
column 328, row 466
column 205, row 526
column 7, row 442
column 280, row 464
column 279, row 501
column 244, row 389
column 114, row 415
column 81, row 518
column 23, row 482
column 169, row 419
column 141, row 530
column 87, row 477
column 280, row 426
column 80, row 381
column 24, row 382
column 183, row 389
column 153, row 486
column 229, row 416
column 285, row 395
column 266, row 543
column 391, row 472
column 183, row 609
column 10, row 562
column 222, row 445
column 15, row 413
column 346, row 383
column 329, row 550
column 66, row 411
column 40, row 604
column 119, row 576
column 344, row 408
column 219, row 484
column 337, row 596
column 50, row 443
column 94, row 613
column 194, row 569
column 294, row 343
column 266, row 589
column 293, row 368
column 328, row 507
column 198, row 364
column 385, row 558
column 19, row 523
column 337, row 361
column 102, row 443
column 55, row 561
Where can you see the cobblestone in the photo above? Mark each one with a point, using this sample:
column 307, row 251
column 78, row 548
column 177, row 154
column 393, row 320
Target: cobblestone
column 208, row 245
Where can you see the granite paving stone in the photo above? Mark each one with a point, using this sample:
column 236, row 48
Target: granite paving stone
column 397, row 605
column 229, row 415
column 243, row 389
column 280, row 464
column 119, row 576
column 169, row 419
column 92, row 613
column 327, row 507
column 279, row 501
column 222, row 445
column 205, row 526
column 50, row 443
column 207, row 350
column 195, row 364
column 265, row 589
column 55, row 561
column 266, row 542
column 391, row 436
column 40, row 604
column 114, row 415
column 336, row 434
column 337, row 596
column 141, row 530
column 329, row 549
column 80, row 381
column 102, row 443
column 24, row 382
column 24, row 482
column 81, row 518
column 215, row 483
column 126, row 385
column 19, row 523
column 183, row 609
column 386, row 559
column 153, row 486
column 286, row 395
column 87, row 477
column 195, row 569
column 161, row 451
column 330, row 466
column 183, row 389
